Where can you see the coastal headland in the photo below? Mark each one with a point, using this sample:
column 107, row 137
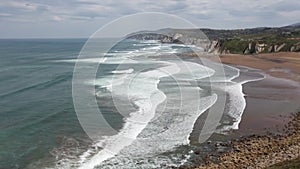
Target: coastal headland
column 270, row 125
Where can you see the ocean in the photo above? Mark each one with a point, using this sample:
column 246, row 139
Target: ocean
column 150, row 100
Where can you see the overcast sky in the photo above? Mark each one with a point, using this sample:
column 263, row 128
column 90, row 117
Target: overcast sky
column 81, row 18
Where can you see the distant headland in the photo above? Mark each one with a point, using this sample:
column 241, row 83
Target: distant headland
column 237, row 41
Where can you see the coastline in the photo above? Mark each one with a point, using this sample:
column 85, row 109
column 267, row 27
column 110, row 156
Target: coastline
column 261, row 151
column 268, row 132
column 282, row 65
column 278, row 94
column 270, row 102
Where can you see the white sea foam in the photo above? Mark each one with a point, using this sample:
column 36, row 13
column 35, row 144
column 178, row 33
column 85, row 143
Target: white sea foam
column 128, row 71
column 144, row 122
column 237, row 101
column 147, row 100
column 87, row 60
column 164, row 120
column 148, row 126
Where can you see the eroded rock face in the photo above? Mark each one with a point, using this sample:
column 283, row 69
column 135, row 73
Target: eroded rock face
column 218, row 47
column 255, row 48
column 252, row 47
column 271, row 49
column 296, row 47
column 278, row 48
column 215, row 47
column 167, row 39
column 223, row 42
column 177, row 36
column 259, row 48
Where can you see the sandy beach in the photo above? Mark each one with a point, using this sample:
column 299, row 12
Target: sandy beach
column 266, row 151
column 269, row 101
column 282, row 65
column 269, row 130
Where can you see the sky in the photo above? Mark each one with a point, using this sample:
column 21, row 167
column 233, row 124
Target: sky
column 81, row 18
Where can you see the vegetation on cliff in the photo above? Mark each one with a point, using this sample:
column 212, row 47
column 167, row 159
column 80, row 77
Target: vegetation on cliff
column 239, row 41
column 256, row 40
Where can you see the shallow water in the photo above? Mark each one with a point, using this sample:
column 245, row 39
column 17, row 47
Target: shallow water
column 151, row 101
column 35, row 98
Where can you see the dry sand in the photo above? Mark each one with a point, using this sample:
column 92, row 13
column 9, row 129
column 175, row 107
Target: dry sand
column 283, row 64
column 270, row 103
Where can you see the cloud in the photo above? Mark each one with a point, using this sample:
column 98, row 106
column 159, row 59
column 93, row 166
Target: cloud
column 205, row 13
column 287, row 6
column 5, row 15
column 57, row 18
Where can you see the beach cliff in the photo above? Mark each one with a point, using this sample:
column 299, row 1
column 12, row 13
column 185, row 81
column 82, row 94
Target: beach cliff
column 238, row 41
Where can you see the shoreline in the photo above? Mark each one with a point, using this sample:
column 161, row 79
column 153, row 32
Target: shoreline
column 267, row 117
column 257, row 151
column 282, row 65
column 271, row 100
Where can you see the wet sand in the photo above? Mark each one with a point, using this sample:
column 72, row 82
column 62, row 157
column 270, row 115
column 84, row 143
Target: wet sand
column 283, row 65
column 261, row 151
column 269, row 101
column 269, row 105
column 268, row 113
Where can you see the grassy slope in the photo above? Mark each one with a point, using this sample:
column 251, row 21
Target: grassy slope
column 237, row 40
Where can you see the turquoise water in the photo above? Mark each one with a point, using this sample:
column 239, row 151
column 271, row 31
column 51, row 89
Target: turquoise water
column 39, row 126
column 37, row 117
column 35, row 99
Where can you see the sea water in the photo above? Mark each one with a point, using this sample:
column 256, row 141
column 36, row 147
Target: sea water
column 147, row 94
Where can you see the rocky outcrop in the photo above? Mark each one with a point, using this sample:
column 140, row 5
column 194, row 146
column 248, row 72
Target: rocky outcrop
column 259, row 151
column 215, row 47
column 182, row 36
column 295, row 47
column 219, row 47
column 242, row 41
column 255, row 48
column 259, row 48
column 251, row 48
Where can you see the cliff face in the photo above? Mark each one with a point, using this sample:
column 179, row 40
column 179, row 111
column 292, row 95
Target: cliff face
column 256, row 40
column 222, row 47
column 181, row 36
column 240, row 41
